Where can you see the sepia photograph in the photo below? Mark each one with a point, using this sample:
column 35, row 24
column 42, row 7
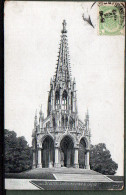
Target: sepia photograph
column 64, row 95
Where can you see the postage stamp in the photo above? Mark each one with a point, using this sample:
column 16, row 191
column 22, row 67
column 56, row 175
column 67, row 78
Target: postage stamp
column 111, row 18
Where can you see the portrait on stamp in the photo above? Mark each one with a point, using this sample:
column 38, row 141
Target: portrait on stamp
column 64, row 95
column 111, row 18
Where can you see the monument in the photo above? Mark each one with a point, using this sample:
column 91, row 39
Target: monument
column 58, row 139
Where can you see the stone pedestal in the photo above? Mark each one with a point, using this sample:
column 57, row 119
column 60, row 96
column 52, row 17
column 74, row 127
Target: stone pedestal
column 57, row 163
column 50, row 164
column 76, row 165
column 33, row 166
column 39, row 165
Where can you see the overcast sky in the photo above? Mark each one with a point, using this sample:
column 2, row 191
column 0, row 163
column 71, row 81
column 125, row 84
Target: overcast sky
column 32, row 37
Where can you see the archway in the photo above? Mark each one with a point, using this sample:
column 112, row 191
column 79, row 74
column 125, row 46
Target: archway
column 67, row 152
column 82, row 152
column 64, row 100
column 48, row 152
column 57, row 98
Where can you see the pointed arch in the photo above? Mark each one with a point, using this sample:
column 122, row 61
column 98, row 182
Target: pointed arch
column 45, row 136
column 48, row 151
column 64, row 100
column 85, row 140
column 57, row 98
column 67, row 151
column 69, row 135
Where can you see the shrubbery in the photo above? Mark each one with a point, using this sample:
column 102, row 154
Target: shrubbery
column 17, row 154
column 101, row 161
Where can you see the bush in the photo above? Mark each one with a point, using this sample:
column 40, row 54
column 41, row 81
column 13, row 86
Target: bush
column 18, row 155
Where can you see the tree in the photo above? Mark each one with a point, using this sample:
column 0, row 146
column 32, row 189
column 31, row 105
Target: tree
column 18, row 155
column 101, row 161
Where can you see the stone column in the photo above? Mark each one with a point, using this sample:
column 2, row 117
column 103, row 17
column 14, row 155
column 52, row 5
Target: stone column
column 67, row 103
column 76, row 165
column 34, row 160
column 39, row 165
column 57, row 163
column 61, row 98
column 87, row 165
column 69, row 107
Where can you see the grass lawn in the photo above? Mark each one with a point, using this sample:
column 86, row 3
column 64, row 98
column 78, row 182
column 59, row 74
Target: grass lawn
column 29, row 175
column 116, row 178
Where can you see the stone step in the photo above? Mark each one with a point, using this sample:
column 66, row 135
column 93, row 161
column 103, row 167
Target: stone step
column 65, row 170
column 81, row 177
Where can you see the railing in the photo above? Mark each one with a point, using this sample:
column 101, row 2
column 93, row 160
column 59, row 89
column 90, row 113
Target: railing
column 79, row 130
column 57, row 129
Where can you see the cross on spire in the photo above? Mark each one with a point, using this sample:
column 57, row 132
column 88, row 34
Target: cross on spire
column 64, row 27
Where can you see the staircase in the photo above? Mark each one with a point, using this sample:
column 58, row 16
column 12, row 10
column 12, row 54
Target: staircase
column 74, row 174
column 81, row 177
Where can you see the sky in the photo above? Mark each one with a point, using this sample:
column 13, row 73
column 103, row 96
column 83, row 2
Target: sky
column 32, row 37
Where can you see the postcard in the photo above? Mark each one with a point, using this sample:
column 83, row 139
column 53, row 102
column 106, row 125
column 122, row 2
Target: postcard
column 64, row 95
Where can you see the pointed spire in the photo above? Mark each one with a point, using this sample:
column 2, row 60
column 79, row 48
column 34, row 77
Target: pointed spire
column 51, row 82
column 40, row 117
column 40, row 110
column 63, row 64
column 36, row 114
column 87, row 112
column 35, row 120
column 87, row 115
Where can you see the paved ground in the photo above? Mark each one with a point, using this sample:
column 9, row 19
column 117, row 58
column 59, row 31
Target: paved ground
column 19, row 184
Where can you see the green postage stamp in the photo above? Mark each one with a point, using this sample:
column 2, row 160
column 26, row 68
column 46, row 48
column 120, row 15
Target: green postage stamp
column 111, row 18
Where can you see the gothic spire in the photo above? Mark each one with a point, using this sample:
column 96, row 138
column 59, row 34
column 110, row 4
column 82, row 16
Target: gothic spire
column 63, row 64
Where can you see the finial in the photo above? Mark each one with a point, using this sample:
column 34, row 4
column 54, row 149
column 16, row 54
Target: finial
column 87, row 112
column 35, row 120
column 64, row 27
column 51, row 81
column 36, row 113
column 40, row 110
column 74, row 81
column 87, row 115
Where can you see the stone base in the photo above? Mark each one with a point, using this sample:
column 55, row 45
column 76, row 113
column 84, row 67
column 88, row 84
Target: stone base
column 33, row 166
column 50, row 165
column 68, row 165
column 39, row 166
column 87, row 167
column 57, row 165
column 76, row 165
